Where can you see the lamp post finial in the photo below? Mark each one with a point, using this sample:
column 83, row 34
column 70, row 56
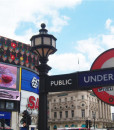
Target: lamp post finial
column 43, row 25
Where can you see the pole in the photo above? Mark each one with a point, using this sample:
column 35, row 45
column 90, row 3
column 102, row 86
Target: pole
column 94, row 123
column 42, row 121
column 42, row 118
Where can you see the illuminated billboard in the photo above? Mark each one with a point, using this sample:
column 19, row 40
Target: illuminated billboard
column 29, row 91
column 29, row 102
column 8, row 82
column 29, row 81
column 8, row 76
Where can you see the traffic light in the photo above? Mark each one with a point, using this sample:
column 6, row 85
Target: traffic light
column 86, row 123
column 26, row 120
column 90, row 123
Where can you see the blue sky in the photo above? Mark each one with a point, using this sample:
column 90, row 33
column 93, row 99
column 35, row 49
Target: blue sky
column 83, row 28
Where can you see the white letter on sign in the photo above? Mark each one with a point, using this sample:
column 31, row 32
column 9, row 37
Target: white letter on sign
column 70, row 81
column 52, row 82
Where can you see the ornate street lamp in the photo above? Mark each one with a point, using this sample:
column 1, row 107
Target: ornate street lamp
column 43, row 45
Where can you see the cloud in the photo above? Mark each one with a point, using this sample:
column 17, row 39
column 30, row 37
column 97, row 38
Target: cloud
column 90, row 47
column 108, row 40
column 68, row 62
column 58, row 23
column 35, row 11
column 108, row 22
column 109, row 26
column 87, row 50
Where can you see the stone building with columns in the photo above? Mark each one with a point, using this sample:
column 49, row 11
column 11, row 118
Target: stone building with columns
column 72, row 109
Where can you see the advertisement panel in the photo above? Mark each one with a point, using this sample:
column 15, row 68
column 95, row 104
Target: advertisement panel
column 29, row 91
column 29, row 81
column 8, row 76
column 8, row 82
column 5, row 115
column 29, row 102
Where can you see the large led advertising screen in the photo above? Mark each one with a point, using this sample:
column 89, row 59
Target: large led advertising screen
column 29, row 102
column 8, row 82
column 29, row 91
column 29, row 81
column 8, row 76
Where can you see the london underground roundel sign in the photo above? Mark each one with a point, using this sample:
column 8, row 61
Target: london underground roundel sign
column 105, row 60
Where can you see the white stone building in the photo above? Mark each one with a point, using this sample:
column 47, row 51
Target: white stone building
column 72, row 109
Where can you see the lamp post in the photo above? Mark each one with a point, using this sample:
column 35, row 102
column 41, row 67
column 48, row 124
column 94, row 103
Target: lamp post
column 43, row 45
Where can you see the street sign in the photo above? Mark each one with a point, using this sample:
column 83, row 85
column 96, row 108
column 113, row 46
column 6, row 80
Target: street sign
column 92, row 79
column 81, row 81
column 66, row 82
column 105, row 60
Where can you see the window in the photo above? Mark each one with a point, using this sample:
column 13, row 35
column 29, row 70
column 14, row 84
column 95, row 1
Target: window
column 2, row 104
column 60, row 114
column 72, row 113
column 66, row 114
column 72, row 106
column 54, row 100
column 9, row 105
column 65, row 99
column 83, row 113
column 55, row 114
column 83, row 105
column 82, row 96
column 93, row 114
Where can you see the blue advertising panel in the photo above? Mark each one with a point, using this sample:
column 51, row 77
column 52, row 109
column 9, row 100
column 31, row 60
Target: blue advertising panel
column 29, row 81
column 5, row 115
column 103, row 77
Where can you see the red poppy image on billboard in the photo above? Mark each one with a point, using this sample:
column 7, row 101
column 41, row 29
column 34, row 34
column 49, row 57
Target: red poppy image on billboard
column 8, row 82
column 8, row 76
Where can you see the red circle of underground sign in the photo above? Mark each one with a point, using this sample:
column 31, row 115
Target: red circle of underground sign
column 104, row 96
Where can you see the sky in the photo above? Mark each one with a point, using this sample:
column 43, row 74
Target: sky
column 84, row 28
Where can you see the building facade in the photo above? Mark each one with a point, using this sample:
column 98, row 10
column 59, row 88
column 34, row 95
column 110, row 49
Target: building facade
column 18, row 83
column 72, row 109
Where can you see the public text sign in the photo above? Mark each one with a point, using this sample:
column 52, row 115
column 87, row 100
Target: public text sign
column 80, row 80
column 67, row 82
